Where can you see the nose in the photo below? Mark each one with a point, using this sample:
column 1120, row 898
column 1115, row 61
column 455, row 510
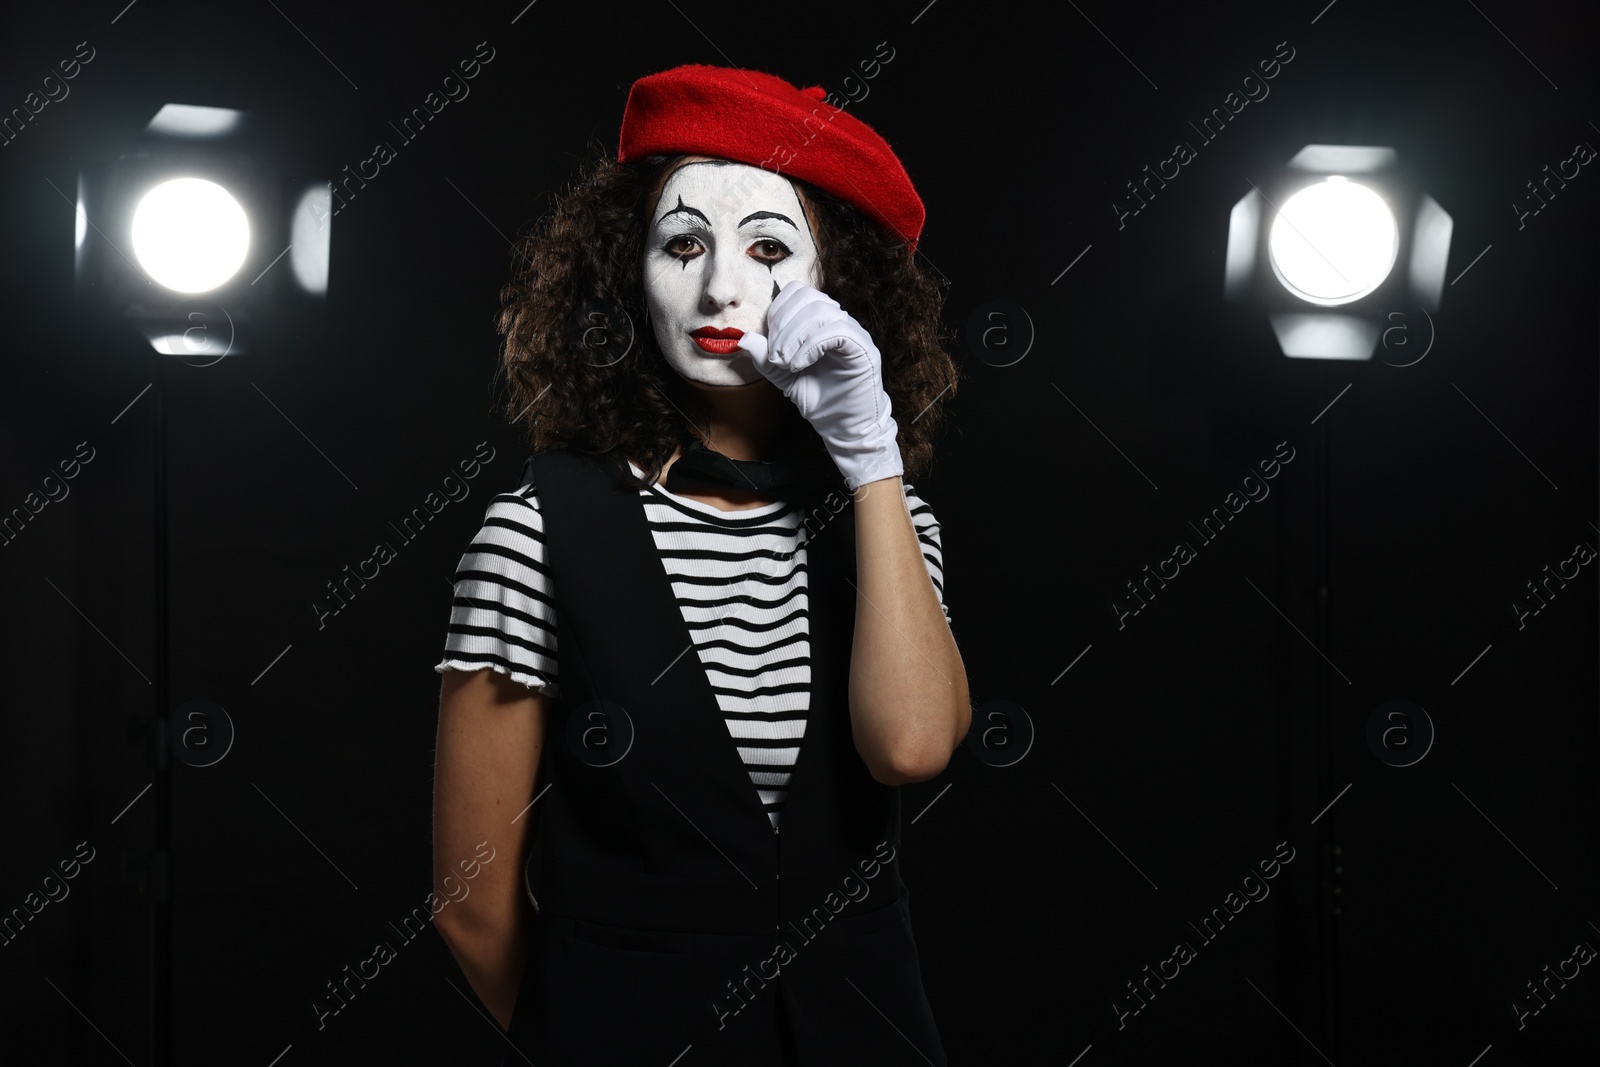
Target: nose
column 722, row 282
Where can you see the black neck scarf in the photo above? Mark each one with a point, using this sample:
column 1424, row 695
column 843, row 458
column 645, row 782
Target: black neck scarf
column 702, row 469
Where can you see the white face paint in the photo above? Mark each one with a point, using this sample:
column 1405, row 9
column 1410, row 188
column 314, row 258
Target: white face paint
column 725, row 238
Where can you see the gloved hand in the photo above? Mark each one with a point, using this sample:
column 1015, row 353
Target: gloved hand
column 825, row 362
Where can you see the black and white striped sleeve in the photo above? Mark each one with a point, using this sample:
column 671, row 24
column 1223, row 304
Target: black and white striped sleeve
column 927, row 527
column 503, row 614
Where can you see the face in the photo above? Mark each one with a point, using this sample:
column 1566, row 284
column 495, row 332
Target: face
column 724, row 239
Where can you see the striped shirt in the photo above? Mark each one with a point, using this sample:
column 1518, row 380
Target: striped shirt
column 739, row 578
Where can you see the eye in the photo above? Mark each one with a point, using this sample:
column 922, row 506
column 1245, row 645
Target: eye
column 769, row 250
column 683, row 247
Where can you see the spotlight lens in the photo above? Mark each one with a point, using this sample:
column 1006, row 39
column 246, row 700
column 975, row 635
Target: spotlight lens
column 1333, row 242
column 190, row 234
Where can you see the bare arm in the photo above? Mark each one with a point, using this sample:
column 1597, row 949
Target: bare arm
column 491, row 734
column 909, row 706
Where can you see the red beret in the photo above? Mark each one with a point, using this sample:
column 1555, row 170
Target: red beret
column 759, row 119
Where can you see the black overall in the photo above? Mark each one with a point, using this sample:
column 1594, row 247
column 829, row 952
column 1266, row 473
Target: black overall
column 673, row 920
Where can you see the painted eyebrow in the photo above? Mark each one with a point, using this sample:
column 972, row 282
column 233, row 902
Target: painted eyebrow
column 684, row 209
column 767, row 215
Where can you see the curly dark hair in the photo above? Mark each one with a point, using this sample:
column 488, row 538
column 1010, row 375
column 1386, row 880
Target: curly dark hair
column 583, row 371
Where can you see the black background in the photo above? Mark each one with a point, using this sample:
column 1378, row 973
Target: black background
column 1176, row 753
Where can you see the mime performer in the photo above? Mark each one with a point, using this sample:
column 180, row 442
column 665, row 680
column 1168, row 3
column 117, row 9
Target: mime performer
column 693, row 656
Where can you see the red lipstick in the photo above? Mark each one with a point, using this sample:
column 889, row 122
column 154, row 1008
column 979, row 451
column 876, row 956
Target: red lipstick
column 719, row 342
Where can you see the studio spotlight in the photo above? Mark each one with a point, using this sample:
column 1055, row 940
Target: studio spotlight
column 1347, row 239
column 193, row 234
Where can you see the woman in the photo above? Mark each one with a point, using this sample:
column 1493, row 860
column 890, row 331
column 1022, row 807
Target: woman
column 710, row 845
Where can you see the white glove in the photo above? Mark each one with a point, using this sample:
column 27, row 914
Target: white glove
column 825, row 362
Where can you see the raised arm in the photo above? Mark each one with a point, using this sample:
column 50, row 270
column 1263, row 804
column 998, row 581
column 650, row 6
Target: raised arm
column 491, row 735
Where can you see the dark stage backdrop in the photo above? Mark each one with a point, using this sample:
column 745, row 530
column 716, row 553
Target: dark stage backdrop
column 1223, row 729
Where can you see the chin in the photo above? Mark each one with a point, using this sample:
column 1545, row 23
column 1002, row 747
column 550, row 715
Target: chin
column 721, row 373
column 726, row 385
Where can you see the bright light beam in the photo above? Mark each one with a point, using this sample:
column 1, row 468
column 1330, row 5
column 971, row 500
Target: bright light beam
column 1334, row 242
column 190, row 234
